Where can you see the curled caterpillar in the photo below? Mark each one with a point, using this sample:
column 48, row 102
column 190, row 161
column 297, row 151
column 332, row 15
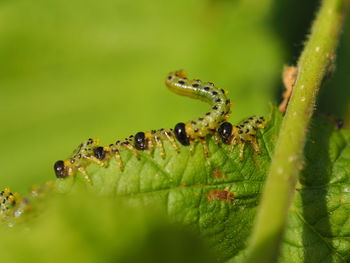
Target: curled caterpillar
column 199, row 128
column 212, row 122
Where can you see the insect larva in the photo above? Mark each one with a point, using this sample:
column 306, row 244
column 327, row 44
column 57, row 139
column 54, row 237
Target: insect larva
column 7, row 200
column 82, row 156
column 198, row 129
column 13, row 206
column 90, row 151
column 186, row 133
column 244, row 132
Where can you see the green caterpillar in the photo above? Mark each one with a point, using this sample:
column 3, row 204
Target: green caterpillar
column 7, row 200
column 199, row 128
column 242, row 133
column 15, row 208
column 212, row 122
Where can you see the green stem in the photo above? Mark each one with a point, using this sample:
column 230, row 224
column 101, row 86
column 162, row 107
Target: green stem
column 314, row 64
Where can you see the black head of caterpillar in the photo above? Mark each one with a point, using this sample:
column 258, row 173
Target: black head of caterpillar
column 225, row 132
column 60, row 169
column 140, row 141
column 181, row 134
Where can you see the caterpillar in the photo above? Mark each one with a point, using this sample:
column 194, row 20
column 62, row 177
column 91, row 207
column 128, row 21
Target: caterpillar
column 12, row 207
column 199, row 128
column 7, row 200
column 15, row 208
column 244, row 132
column 211, row 123
column 81, row 157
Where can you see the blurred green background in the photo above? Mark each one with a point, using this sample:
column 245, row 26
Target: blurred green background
column 70, row 70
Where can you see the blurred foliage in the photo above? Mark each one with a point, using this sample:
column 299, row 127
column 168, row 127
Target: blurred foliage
column 215, row 196
column 318, row 226
column 86, row 228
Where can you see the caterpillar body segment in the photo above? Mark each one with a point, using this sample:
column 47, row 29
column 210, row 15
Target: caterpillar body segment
column 142, row 141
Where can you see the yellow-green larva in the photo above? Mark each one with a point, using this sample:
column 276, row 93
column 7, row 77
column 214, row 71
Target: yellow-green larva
column 81, row 157
column 7, row 200
column 205, row 91
column 13, row 206
column 244, row 132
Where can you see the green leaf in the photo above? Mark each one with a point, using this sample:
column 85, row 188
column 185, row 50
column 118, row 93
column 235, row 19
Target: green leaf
column 192, row 191
column 319, row 225
column 215, row 196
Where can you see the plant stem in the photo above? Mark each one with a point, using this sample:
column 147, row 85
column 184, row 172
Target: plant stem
column 315, row 62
